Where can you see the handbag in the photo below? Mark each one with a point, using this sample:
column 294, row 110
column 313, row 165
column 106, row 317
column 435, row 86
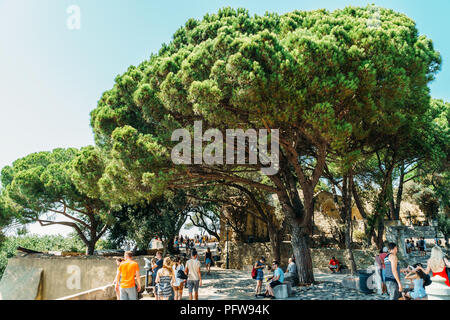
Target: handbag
column 181, row 275
column 447, row 269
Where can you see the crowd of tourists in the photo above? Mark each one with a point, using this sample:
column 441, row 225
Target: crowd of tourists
column 417, row 275
column 389, row 271
column 200, row 240
column 419, row 245
column 169, row 277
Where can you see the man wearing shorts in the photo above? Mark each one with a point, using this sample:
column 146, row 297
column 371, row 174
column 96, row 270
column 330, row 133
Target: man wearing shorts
column 126, row 273
column 277, row 279
column 194, row 280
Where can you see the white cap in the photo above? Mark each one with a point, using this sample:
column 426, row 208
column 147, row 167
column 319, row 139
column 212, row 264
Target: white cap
column 385, row 249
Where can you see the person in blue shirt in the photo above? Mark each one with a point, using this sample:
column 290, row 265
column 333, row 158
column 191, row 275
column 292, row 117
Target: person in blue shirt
column 417, row 277
column 277, row 279
column 155, row 267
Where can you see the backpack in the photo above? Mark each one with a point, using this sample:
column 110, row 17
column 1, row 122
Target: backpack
column 254, row 271
column 181, row 275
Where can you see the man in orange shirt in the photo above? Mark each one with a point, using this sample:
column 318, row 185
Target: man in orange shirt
column 126, row 272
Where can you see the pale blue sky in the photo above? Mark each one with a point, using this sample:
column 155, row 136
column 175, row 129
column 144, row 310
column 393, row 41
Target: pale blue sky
column 51, row 77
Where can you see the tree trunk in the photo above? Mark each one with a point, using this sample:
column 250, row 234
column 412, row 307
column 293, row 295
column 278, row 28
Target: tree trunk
column 90, row 245
column 169, row 244
column 90, row 248
column 369, row 234
column 399, row 195
column 380, row 233
column 275, row 242
column 347, row 190
column 302, row 255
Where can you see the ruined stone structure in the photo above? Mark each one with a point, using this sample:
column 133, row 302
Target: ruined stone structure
column 253, row 229
column 244, row 255
column 397, row 233
column 324, row 203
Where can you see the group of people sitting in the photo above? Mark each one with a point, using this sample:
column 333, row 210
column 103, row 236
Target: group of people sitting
column 389, row 271
column 278, row 277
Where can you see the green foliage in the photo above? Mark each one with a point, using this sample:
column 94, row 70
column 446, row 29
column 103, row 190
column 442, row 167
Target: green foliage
column 426, row 199
column 44, row 185
column 38, row 243
column 444, row 224
column 435, row 173
column 359, row 236
column 139, row 224
column 325, row 76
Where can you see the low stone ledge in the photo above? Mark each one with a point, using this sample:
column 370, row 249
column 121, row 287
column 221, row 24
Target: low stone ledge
column 107, row 292
column 351, row 282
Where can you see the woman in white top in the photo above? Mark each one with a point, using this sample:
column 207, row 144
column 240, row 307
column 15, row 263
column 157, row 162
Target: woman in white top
column 178, row 284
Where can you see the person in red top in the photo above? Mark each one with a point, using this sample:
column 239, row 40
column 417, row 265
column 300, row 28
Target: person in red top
column 437, row 264
column 379, row 259
column 127, row 271
column 334, row 265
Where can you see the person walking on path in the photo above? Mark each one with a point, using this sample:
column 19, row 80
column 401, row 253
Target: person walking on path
column 178, row 284
column 381, row 268
column 259, row 266
column 208, row 260
column 421, row 244
column 194, row 280
column 155, row 268
column 126, row 273
column 118, row 262
column 165, row 278
column 392, row 273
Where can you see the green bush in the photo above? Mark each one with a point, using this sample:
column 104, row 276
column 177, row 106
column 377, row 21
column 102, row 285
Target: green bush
column 38, row 243
column 359, row 236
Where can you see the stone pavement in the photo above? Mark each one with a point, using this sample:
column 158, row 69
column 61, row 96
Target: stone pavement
column 232, row 284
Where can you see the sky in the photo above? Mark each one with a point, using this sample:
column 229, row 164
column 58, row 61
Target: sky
column 52, row 76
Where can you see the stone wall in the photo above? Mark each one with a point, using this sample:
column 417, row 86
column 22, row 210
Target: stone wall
column 61, row 276
column 244, row 255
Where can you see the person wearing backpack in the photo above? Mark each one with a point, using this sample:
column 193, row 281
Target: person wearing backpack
column 180, row 278
column 258, row 275
column 392, row 273
column 382, row 268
